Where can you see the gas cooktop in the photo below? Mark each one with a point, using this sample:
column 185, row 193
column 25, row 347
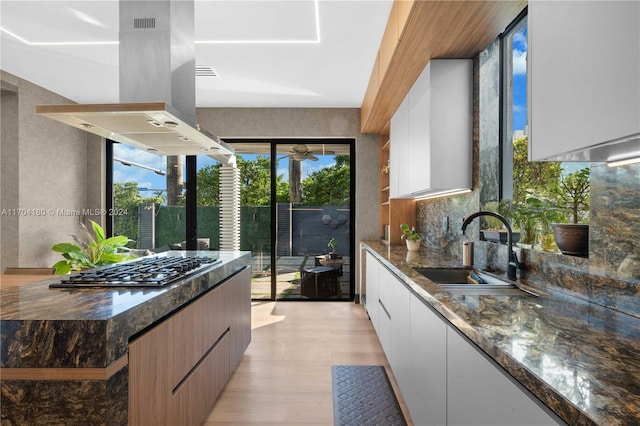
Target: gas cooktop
column 145, row 272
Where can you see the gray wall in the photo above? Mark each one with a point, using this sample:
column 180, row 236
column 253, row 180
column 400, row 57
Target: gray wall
column 310, row 123
column 47, row 167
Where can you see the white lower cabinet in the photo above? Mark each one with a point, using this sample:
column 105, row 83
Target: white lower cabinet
column 480, row 393
column 426, row 393
column 371, row 288
column 393, row 317
column 443, row 377
column 384, row 329
column 398, row 301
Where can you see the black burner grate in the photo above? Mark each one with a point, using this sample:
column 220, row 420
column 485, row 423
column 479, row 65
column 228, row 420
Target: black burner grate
column 145, row 272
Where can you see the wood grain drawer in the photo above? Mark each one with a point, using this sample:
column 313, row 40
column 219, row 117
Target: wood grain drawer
column 193, row 399
column 178, row 368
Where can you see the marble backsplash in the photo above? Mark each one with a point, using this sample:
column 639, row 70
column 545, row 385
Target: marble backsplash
column 609, row 277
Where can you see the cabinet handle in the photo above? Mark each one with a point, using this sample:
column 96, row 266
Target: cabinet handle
column 384, row 309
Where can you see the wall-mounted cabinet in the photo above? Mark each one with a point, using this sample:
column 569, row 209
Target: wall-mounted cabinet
column 583, row 76
column 431, row 132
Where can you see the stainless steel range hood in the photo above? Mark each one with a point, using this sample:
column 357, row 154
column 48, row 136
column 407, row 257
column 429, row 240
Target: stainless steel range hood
column 157, row 86
column 155, row 127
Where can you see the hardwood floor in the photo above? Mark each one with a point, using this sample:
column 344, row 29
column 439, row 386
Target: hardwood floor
column 284, row 377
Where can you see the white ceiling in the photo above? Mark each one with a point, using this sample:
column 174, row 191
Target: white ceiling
column 280, row 53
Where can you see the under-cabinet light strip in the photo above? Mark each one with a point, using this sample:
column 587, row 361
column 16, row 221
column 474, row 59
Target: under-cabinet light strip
column 443, row 194
column 625, row 162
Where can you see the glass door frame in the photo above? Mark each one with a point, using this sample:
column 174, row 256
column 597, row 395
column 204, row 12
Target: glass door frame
column 274, row 142
column 191, row 206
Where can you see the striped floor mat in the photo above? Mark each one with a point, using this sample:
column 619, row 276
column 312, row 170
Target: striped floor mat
column 362, row 395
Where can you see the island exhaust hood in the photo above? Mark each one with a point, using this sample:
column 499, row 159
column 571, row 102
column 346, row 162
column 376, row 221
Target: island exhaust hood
column 157, row 86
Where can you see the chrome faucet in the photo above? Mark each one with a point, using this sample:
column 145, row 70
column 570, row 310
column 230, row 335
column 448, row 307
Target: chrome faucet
column 512, row 258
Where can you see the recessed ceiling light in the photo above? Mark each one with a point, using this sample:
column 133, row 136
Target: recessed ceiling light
column 110, row 42
column 57, row 43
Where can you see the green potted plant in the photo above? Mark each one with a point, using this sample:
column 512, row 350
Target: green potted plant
column 94, row 250
column 332, row 248
column 411, row 236
column 494, row 229
column 571, row 197
column 544, row 213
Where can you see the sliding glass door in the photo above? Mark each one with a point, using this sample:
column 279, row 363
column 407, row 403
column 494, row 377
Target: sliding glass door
column 308, row 225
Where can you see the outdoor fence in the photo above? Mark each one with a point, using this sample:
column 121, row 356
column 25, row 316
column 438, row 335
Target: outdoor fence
column 300, row 230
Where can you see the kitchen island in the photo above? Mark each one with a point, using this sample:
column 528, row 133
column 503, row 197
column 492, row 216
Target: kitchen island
column 569, row 360
column 66, row 354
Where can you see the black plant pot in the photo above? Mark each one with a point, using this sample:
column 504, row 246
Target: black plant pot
column 572, row 239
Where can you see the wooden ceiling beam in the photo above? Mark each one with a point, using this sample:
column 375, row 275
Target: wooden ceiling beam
column 418, row 31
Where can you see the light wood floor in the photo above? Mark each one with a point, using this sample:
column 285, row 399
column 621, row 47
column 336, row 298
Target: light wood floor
column 285, row 375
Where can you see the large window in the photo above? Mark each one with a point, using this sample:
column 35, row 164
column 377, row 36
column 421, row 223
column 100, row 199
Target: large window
column 148, row 190
column 294, row 200
column 534, row 194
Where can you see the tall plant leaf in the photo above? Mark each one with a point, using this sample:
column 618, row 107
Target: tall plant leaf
column 94, row 250
column 98, row 231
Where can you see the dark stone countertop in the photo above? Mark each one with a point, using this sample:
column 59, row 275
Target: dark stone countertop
column 581, row 359
column 43, row 328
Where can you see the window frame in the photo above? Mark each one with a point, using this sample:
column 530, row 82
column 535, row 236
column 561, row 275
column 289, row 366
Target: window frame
column 505, row 121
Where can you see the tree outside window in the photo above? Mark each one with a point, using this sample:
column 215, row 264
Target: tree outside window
column 536, row 194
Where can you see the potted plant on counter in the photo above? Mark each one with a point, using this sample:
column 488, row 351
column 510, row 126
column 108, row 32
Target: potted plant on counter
column 544, row 212
column 412, row 237
column 571, row 197
column 95, row 250
column 495, row 231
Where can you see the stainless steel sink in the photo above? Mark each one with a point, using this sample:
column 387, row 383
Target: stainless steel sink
column 486, row 290
column 454, row 280
column 445, row 275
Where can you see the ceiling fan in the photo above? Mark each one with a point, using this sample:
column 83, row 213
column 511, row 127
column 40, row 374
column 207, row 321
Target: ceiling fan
column 301, row 152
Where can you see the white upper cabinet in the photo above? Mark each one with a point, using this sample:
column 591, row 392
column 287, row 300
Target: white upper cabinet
column 399, row 151
column 431, row 132
column 583, row 80
column 418, row 155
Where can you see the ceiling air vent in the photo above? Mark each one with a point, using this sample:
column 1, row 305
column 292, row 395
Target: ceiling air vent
column 205, row 71
column 144, row 23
